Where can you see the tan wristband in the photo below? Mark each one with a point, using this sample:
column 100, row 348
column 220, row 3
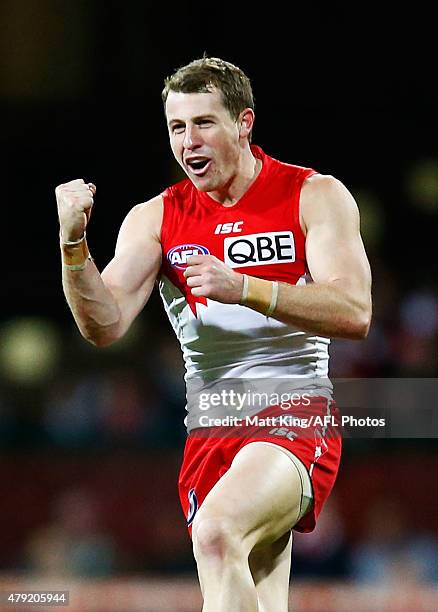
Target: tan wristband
column 259, row 294
column 75, row 254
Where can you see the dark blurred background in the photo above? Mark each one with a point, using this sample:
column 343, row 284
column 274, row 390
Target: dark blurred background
column 91, row 439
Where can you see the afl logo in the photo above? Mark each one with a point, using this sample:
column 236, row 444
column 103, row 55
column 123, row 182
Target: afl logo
column 193, row 501
column 177, row 257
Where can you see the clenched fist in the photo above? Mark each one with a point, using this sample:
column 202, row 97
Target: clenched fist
column 75, row 201
column 208, row 276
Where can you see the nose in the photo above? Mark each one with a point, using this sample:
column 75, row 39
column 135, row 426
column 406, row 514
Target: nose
column 191, row 137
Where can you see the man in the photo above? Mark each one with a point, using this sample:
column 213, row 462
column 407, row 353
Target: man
column 234, row 247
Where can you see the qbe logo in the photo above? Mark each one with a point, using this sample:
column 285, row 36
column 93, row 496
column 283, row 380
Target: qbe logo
column 177, row 256
column 259, row 249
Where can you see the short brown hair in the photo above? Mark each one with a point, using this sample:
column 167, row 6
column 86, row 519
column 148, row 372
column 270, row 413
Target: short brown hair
column 201, row 75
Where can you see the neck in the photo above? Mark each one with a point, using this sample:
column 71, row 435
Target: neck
column 246, row 173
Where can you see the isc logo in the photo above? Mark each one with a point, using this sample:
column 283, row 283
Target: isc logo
column 259, row 249
column 177, row 256
column 228, row 228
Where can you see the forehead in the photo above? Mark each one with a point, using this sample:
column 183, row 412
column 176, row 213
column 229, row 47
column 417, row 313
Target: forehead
column 187, row 105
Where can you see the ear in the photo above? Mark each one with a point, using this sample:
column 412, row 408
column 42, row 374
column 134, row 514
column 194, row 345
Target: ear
column 246, row 122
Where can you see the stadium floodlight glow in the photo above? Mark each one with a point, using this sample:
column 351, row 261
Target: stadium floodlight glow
column 29, row 350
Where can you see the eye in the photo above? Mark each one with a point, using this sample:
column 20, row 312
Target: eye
column 205, row 123
column 178, row 128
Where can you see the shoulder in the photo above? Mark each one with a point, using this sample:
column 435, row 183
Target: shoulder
column 150, row 207
column 324, row 197
column 323, row 185
column 145, row 218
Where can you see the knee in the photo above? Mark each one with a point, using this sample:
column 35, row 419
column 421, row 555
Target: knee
column 215, row 537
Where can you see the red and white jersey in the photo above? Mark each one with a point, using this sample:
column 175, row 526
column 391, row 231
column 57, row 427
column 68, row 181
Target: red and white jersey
column 261, row 236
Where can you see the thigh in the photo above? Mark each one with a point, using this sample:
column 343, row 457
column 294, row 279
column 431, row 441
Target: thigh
column 260, row 495
column 270, row 569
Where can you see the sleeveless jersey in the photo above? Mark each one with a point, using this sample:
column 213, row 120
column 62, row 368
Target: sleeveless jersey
column 261, row 236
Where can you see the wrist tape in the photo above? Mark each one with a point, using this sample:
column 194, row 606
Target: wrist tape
column 75, row 254
column 259, row 294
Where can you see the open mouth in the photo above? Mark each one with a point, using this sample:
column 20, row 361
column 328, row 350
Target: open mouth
column 199, row 166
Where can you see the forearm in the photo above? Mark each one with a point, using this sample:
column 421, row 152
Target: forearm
column 325, row 309
column 93, row 306
column 329, row 309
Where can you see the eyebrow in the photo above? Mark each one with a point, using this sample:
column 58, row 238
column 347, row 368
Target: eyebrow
column 194, row 119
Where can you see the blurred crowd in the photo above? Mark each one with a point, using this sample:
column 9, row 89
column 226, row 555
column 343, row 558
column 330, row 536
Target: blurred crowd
column 74, row 543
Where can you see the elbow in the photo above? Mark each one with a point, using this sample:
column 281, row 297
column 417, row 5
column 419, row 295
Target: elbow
column 355, row 325
column 100, row 338
column 361, row 325
column 362, row 331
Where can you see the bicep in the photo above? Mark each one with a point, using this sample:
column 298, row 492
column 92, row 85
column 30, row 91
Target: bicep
column 334, row 249
column 131, row 274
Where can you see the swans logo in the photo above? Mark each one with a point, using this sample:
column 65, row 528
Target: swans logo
column 177, row 257
column 193, row 506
